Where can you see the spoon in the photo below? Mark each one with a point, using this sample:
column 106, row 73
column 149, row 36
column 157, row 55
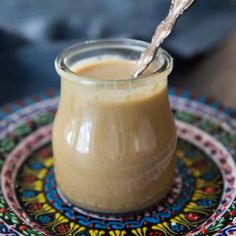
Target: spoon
column 163, row 30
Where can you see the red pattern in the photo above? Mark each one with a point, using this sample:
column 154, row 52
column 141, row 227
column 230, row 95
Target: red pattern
column 62, row 228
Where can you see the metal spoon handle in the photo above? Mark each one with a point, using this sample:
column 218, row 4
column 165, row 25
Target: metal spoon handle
column 162, row 31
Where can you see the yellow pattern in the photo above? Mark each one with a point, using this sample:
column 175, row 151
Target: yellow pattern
column 117, row 233
column 140, row 231
column 96, row 232
column 193, row 207
column 164, row 228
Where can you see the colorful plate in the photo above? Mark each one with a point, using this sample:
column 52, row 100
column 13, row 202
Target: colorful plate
column 202, row 200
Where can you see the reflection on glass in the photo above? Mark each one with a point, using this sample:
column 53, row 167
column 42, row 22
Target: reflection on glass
column 83, row 142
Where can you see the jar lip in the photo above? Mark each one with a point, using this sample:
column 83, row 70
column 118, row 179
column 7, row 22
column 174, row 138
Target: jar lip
column 64, row 71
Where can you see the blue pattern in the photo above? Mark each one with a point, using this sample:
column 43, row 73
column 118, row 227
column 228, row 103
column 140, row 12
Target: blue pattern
column 228, row 231
column 29, row 194
column 4, row 230
column 45, row 218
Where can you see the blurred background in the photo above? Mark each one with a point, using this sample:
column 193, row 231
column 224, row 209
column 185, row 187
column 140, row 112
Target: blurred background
column 33, row 32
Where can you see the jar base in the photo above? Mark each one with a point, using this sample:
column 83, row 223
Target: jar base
column 86, row 208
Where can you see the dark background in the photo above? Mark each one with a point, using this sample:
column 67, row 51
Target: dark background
column 33, row 32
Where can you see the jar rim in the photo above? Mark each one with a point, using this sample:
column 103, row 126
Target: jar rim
column 65, row 72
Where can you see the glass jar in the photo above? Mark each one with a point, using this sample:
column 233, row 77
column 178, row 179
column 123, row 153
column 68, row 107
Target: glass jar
column 113, row 140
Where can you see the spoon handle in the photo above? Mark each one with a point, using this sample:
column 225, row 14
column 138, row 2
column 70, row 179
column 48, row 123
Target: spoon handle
column 162, row 31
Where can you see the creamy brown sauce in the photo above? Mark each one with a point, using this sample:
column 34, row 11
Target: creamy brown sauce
column 113, row 69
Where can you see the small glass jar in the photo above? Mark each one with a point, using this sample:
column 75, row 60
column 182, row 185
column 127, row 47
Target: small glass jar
column 113, row 140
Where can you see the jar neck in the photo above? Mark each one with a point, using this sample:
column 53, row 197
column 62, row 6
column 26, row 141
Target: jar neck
column 100, row 94
column 126, row 48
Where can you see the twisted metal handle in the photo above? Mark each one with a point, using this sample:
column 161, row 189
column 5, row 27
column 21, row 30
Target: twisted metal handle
column 162, row 31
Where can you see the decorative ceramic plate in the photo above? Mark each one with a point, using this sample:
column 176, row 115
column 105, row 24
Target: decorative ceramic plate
column 202, row 200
